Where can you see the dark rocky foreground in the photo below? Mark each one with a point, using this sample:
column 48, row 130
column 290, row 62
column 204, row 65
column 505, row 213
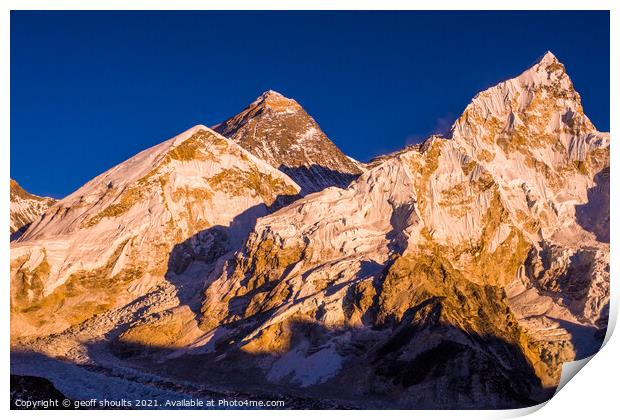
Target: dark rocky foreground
column 88, row 386
column 26, row 391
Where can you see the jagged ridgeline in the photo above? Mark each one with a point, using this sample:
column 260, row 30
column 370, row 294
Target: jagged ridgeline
column 111, row 241
column 279, row 130
column 25, row 209
column 459, row 273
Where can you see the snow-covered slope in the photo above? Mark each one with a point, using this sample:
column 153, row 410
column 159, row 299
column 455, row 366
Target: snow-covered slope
column 279, row 130
column 552, row 169
column 465, row 255
column 461, row 272
column 116, row 237
column 25, row 208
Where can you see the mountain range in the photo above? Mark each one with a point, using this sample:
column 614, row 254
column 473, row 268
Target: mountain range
column 256, row 257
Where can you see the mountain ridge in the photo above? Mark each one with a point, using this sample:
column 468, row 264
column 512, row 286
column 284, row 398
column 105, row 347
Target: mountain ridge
column 159, row 197
column 25, row 208
column 278, row 130
column 458, row 273
column 485, row 216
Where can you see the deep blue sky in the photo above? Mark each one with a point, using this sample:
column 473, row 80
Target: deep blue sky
column 90, row 89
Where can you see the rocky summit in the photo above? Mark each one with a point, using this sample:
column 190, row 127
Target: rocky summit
column 458, row 273
column 279, row 130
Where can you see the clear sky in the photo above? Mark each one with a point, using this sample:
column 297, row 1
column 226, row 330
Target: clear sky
column 91, row 89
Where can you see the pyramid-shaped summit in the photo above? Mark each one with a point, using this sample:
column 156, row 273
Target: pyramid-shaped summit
column 276, row 101
column 539, row 108
column 278, row 130
column 548, row 58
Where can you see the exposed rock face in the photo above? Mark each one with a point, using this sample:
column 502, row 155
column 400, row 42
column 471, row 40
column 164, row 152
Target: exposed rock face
column 459, row 273
column 25, row 208
column 119, row 235
column 279, row 130
column 552, row 167
column 447, row 257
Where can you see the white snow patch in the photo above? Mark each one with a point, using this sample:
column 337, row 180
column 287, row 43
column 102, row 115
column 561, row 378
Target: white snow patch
column 306, row 369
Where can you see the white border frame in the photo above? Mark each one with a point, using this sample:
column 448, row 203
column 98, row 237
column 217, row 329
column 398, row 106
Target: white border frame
column 592, row 395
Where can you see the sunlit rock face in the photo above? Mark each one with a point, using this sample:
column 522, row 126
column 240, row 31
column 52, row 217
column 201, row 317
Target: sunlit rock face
column 438, row 262
column 458, row 273
column 25, row 209
column 118, row 236
column 278, row 130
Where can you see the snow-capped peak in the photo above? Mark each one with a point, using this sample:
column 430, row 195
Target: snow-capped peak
column 488, row 249
column 180, row 138
column 25, row 208
column 544, row 95
column 130, row 218
column 272, row 93
column 278, row 130
column 548, row 58
column 275, row 101
column 547, row 71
